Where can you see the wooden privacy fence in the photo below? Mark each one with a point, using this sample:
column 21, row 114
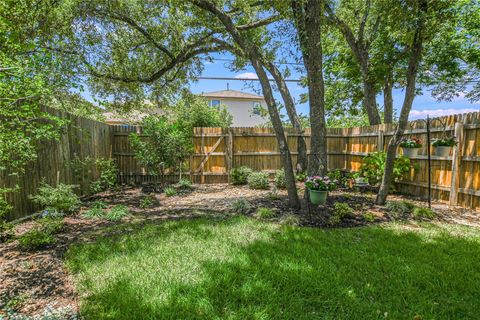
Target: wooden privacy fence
column 455, row 179
column 81, row 138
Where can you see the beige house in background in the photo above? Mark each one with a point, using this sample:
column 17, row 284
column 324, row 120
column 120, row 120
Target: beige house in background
column 246, row 108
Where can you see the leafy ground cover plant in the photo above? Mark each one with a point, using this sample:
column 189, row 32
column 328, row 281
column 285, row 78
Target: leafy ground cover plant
column 147, row 202
column 265, row 213
column 301, row 176
column 290, row 219
column 258, row 180
column 184, row 184
column 341, row 211
column 399, row 209
column 239, row 176
column 61, row 199
column 424, row 213
column 170, row 191
column 369, row 217
column 280, row 181
column 116, row 213
column 241, row 206
column 96, row 210
column 41, row 235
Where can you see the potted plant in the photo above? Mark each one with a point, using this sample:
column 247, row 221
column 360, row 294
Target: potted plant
column 444, row 146
column 410, row 146
column 318, row 188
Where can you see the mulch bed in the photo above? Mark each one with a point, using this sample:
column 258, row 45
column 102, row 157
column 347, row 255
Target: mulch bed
column 33, row 280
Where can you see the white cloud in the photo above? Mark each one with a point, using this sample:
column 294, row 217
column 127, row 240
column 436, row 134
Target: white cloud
column 247, row 75
column 422, row 114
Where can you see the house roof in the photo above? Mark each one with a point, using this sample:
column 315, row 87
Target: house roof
column 231, row 94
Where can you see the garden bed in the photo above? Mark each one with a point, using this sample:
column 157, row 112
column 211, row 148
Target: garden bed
column 33, row 280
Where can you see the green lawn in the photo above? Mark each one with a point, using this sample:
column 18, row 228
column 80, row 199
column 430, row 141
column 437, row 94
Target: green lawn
column 243, row 268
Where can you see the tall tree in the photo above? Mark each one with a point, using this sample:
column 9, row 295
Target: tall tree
column 418, row 22
column 307, row 16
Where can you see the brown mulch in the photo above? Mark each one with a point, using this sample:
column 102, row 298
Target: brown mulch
column 32, row 280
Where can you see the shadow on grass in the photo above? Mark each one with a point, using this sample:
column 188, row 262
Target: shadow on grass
column 246, row 269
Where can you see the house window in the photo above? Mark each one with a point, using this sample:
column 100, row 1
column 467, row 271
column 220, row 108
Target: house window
column 214, row 103
column 257, row 108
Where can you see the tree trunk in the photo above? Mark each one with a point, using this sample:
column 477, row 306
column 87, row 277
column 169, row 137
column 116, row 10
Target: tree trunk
column 252, row 51
column 308, row 21
column 370, row 102
column 292, row 115
column 285, row 155
column 388, row 100
column 413, row 64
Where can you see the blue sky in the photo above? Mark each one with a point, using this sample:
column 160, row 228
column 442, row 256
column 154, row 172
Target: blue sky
column 422, row 105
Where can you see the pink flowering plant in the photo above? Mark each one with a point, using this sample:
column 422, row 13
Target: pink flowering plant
column 318, row 183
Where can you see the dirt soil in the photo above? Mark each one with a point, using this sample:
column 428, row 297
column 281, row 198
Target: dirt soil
column 33, row 280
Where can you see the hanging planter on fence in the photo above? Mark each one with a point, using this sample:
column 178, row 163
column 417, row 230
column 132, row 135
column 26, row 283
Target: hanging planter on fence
column 410, row 147
column 444, row 146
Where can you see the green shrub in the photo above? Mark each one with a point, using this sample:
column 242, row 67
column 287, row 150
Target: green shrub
column 399, row 209
column 341, row 210
column 170, row 191
column 241, row 206
column 373, row 167
column 59, row 199
column 35, row 239
column 147, row 202
column 258, row 180
column 265, row 213
column 6, row 231
column 239, row 176
column 41, row 235
column 273, row 195
column 108, row 175
column 117, row 213
column 424, row 213
column 301, row 177
column 185, row 184
column 369, row 217
column 280, row 181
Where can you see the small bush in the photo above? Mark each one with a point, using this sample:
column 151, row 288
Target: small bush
column 341, row 210
column 265, row 213
column 108, row 175
column 117, row 213
column 60, row 199
column 147, row 202
column 184, row 184
column 424, row 213
column 301, row 177
column 239, row 176
column 369, row 217
column 273, row 195
column 258, row 180
column 41, row 235
column 399, row 209
column 280, row 181
column 241, row 206
column 290, row 219
column 170, row 191
column 6, row 231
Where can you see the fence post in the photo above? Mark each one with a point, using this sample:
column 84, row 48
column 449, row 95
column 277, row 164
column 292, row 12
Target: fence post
column 380, row 140
column 229, row 145
column 456, row 160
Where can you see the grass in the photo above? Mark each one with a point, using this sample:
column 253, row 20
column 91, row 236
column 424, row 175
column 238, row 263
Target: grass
column 242, row 268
